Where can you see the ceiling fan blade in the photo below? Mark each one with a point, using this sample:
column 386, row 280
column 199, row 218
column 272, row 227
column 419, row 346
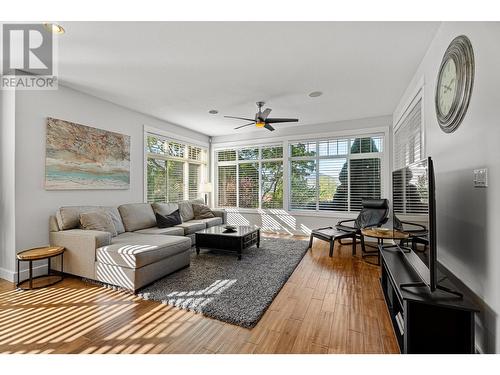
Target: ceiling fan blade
column 242, row 126
column 269, row 127
column 240, row 118
column 277, row 120
column 266, row 113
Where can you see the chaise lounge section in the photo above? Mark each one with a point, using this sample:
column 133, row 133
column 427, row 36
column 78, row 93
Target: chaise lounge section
column 140, row 253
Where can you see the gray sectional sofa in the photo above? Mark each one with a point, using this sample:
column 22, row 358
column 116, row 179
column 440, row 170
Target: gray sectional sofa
column 140, row 253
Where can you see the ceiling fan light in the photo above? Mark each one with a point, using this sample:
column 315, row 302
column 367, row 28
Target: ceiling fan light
column 260, row 124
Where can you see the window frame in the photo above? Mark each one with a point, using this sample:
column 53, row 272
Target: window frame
column 378, row 126
column 237, row 162
column 348, row 157
column 204, row 162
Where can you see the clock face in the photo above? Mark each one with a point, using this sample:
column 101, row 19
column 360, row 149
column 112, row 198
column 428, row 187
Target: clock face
column 454, row 84
column 447, row 86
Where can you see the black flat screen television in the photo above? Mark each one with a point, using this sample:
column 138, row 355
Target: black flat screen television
column 414, row 212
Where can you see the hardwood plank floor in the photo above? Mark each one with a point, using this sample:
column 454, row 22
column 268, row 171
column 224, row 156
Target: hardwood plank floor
column 329, row 305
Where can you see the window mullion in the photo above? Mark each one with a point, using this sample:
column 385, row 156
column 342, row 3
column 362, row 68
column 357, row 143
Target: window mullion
column 348, row 160
column 237, row 184
column 317, row 176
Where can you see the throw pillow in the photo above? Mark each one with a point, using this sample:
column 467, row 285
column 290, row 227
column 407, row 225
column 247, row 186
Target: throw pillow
column 167, row 221
column 202, row 211
column 98, row 220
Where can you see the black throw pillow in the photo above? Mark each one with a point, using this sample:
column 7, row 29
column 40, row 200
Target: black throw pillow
column 167, row 221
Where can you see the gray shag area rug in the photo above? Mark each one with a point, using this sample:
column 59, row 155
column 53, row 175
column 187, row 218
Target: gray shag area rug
column 220, row 286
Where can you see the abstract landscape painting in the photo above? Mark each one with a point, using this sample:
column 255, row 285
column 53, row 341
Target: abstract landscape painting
column 82, row 157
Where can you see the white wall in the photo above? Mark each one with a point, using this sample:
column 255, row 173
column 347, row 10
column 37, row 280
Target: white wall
column 285, row 221
column 7, row 181
column 34, row 204
column 468, row 217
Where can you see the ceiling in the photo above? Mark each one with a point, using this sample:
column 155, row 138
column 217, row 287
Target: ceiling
column 178, row 71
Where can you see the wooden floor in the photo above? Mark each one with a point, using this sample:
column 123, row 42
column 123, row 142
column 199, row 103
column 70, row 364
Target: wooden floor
column 329, row 305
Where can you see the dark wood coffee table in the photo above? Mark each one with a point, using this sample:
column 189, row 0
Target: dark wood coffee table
column 218, row 238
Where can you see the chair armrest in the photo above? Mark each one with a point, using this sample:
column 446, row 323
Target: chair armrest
column 346, row 229
column 79, row 257
column 414, row 224
column 341, row 225
column 222, row 214
column 342, row 222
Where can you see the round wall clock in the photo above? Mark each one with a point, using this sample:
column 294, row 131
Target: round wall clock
column 454, row 84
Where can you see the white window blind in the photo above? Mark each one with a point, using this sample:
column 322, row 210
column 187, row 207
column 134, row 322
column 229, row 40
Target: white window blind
column 410, row 190
column 194, row 179
column 174, row 169
column 226, row 183
column 365, row 181
column 248, row 177
column 333, row 184
column 157, row 180
column 408, row 137
column 303, row 192
column 175, row 181
column 272, row 184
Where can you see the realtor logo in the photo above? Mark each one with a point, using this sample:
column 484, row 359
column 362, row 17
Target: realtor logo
column 27, row 57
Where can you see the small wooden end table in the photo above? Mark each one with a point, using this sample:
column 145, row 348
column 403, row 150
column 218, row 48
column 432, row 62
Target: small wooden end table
column 381, row 236
column 39, row 253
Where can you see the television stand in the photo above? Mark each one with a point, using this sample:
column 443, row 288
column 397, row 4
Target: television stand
column 421, row 284
column 424, row 321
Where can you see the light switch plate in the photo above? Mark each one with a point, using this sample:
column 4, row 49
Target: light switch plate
column 480, row 178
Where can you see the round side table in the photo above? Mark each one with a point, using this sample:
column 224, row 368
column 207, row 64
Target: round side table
column 381, row 236
column 39, row 253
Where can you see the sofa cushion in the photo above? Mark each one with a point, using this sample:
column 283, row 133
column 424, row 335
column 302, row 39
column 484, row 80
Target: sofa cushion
column 117, row 219
column 133, row 250
column 210, row 222
column 98, row 220
column 137, row 216
column 164, row 208
column 172, row 231
column 186, row 208
column 69, row 217
column 167, row 221
column 192, row 226
column 202, row 211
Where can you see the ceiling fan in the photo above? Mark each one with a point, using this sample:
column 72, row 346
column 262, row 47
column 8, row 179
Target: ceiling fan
column 261, row 120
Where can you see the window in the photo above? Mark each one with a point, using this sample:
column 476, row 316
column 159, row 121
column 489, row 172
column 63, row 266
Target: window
column 250, row 177
column 174, row 170
column 324, row 175
column 408, row 137
column 335, row 174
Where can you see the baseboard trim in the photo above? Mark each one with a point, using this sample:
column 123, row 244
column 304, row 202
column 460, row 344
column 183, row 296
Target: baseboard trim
column 11, row 276
column 7, row 274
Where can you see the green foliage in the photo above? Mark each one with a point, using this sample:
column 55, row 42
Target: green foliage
column 249, row 185
column 248, row 154
column 272, row 152
column 156, row 175
column 272, row 184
